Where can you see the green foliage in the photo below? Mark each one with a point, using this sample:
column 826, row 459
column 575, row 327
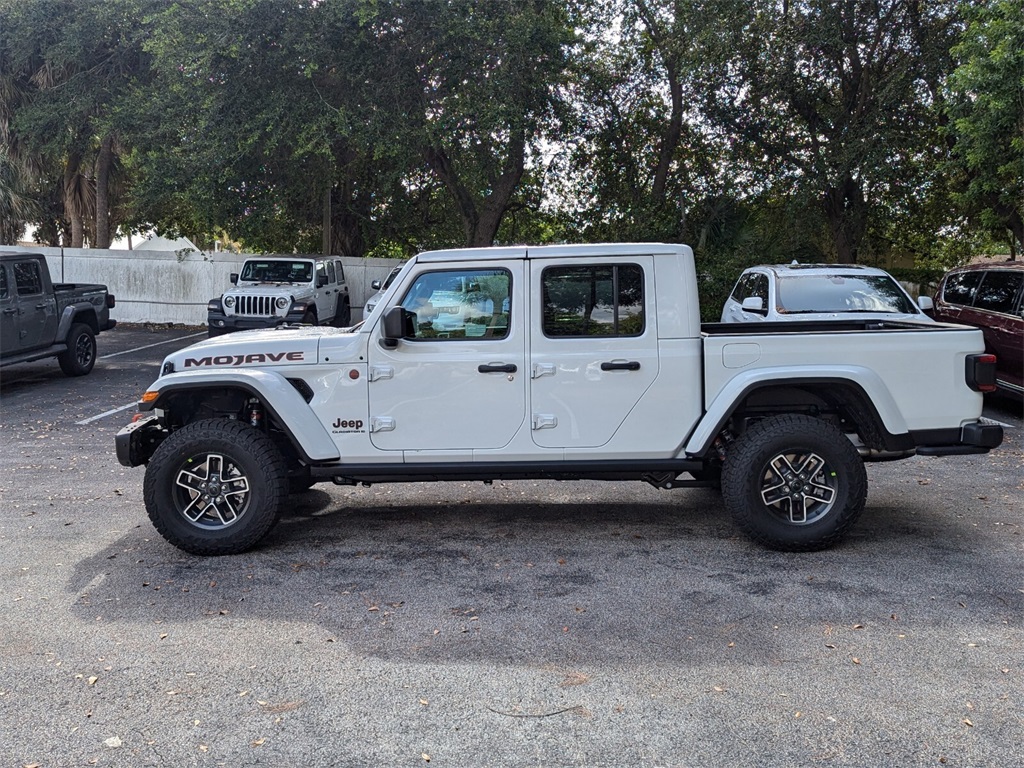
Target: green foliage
column 986, row 104
column 757, row 131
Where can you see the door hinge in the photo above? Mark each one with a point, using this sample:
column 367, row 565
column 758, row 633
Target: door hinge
column 542, row 369
column 381, row 372
column 544, row 421
column 382, row 424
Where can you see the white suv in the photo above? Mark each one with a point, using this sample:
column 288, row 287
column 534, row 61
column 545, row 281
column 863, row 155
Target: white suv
column 770, row 293
column 275, row 290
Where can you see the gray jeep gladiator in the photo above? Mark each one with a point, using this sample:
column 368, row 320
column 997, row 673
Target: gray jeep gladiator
column 40, row 318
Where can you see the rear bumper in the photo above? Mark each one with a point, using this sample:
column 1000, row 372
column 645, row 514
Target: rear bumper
column 976, row 437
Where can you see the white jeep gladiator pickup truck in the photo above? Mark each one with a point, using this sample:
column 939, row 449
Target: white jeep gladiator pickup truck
column 561, row 362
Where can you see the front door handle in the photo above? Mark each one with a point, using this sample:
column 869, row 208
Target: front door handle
column 497, row 368
column 617, row 365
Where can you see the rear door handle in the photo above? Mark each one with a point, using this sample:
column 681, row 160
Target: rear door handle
column 616, row 365
column 497, row 368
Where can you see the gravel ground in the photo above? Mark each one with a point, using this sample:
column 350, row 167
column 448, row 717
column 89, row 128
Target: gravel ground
column 518, row 624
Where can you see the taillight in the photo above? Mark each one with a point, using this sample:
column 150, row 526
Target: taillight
column 980, row 373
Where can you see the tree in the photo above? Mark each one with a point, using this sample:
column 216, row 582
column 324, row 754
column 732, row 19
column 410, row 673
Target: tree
column 986, row 107
column 830, row 99
column 71, row 62
column 476, row 92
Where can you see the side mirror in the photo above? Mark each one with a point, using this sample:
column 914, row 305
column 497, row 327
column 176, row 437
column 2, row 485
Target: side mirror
column 234, row 278
column 376, row 284
column 925, row 303
column 397, row 325
column 321, row 281
column 754, row 304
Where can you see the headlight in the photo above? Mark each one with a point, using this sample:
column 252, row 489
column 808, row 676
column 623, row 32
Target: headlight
column 282, row 302
column 229, row 301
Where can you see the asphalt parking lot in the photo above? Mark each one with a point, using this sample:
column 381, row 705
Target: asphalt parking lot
column 519, row 624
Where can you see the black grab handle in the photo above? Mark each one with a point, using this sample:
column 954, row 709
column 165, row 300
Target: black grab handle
column 498, row 368
column 632, row 365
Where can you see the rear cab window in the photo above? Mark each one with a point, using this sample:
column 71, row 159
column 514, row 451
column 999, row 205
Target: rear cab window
column 588, row 301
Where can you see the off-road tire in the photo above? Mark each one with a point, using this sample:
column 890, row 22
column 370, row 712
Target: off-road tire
column 215, row 487
column 794, row 483
column 342, row 314
column 299, row 484
column 80, row 356
column 308, row 319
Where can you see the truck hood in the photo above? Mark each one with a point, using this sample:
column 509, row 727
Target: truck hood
column 279, row 346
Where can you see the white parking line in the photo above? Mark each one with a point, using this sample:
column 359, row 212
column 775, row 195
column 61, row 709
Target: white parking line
column 111, row 412
column 147, row 346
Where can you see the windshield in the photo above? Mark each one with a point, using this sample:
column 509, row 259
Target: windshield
column 391, row 278
column 277, row 271
column 842, row 293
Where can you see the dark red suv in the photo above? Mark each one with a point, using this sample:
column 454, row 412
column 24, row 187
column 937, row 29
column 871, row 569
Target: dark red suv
column 990, row 297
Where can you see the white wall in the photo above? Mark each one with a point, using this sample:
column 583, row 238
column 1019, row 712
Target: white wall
column 163, row 287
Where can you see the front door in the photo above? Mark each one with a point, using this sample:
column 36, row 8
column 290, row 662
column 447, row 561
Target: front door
column 9, row 342
column 594, row 347
column 457, row 381
column 37, row 312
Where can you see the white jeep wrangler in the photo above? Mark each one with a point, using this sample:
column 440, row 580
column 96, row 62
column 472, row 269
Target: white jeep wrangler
column 275, row 290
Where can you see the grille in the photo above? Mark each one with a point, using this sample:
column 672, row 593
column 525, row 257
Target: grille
column 255, row 306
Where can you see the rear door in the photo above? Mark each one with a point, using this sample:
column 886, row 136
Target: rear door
column 594, row 348
column 996, row 310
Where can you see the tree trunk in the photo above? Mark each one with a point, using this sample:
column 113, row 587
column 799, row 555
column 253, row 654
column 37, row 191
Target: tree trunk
column 846, row 212
column 104, row 162
column 348, row 212
column 72, row 198
column 669, row 142
column 480, row 223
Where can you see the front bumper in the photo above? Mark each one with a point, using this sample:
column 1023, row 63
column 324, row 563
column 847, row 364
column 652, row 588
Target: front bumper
column 219, row 323
column 136, row 442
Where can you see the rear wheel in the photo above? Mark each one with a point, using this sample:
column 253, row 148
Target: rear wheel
column 794, row 483
column 215, row 487
column 80, row 356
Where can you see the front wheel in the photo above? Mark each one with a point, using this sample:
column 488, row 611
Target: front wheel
column 80, row 356
column 794, row 483
column 215, row 487
column 342, row 314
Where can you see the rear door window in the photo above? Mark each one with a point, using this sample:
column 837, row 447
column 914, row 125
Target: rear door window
column 998, row 291
column 603, row 300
